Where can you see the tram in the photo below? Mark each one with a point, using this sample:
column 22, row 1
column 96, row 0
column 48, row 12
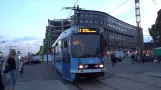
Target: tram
column 78, row 52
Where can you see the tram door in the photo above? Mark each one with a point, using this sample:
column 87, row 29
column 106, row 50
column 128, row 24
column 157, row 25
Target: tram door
column 66, row 59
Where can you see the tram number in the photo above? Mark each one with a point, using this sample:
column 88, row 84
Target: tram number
column 79, row 30
column 91, row 61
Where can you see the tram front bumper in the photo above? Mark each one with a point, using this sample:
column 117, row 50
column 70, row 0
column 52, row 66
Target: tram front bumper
column 88, row 71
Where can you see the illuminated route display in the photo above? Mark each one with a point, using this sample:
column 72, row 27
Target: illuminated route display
column 87, row 30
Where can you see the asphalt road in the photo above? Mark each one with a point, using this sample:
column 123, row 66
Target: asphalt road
column 47, row 72
column 127, row 67
column 40, row 72
column 35, row 72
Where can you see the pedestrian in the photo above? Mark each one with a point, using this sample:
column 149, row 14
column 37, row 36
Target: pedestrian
column 21, row 67
column 113, row 59
column 10, row 70
column 132, row 58
column 135, row 58
column 1, row 82
column 138, row 58
column 143, row 58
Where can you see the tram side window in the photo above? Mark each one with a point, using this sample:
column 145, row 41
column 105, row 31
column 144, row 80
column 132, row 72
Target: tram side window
column 58, row 51
column 66, row 50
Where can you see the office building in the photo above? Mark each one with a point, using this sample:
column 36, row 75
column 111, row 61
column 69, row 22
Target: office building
column 119, row 35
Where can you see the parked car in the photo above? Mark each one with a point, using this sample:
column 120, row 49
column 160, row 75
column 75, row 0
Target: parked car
column 32, row 61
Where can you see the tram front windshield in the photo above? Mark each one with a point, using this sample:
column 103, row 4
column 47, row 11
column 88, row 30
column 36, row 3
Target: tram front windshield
column 86, row 45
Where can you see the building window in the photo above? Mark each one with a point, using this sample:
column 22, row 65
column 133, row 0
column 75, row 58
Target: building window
column 86, row 21
column 81, row 21
column 115, row 37
column 104, row 23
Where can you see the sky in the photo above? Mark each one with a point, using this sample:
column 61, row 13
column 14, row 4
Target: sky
column 23, row 22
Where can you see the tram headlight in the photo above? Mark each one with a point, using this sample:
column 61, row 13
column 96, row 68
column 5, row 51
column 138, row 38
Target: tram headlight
column 101, row 65
column 81, row 66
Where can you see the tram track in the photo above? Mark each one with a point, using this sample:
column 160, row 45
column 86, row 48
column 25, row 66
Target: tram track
column 99, row 82
column 96, row 81
column 106, row 85
column 133, row 80
column 78, row 87
column 83, row 86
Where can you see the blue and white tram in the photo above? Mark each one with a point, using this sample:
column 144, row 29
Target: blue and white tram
column 78, row 52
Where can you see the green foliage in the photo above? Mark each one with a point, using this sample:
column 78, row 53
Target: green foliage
column 155, row 30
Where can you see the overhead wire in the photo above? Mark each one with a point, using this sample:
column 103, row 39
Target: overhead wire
column 119, row 6
column 71, row 10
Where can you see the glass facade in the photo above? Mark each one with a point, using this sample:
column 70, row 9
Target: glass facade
column 118, row 33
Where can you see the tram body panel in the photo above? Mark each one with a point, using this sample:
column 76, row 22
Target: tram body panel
column 85, row 61
column 59, row 66
column 91, row 70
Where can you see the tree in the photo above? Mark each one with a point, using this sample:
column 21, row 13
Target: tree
column 155, row 30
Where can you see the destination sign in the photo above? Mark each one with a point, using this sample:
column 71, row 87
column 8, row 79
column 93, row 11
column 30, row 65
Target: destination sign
column 87, row 30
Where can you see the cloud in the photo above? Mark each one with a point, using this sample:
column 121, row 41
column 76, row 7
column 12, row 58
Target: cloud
column 27, row 43
column 1, row 36
column 27, row 38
